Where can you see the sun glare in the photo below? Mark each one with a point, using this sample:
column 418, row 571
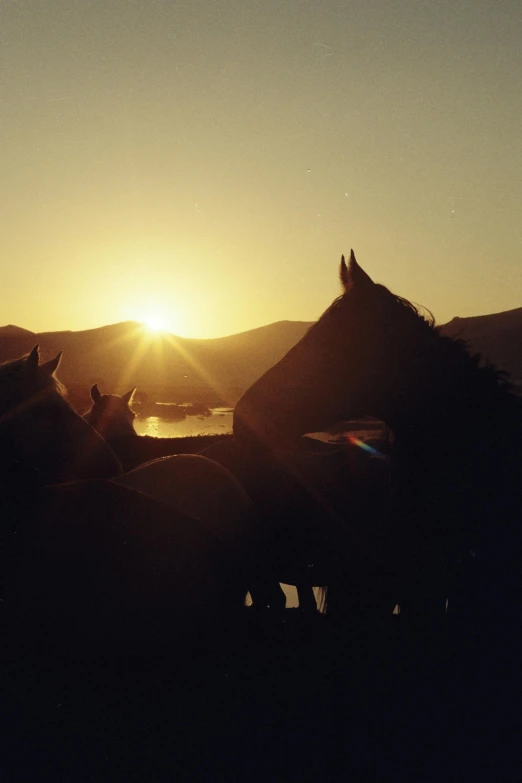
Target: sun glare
column 156, row 318
column 155, row 323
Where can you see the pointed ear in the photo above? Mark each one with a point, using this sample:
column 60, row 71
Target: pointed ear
column 33, row 359
column 127, row 397
column 51, row 366
column 358, row 275
column 95, row 394
column 344, row 275
column 353, row 276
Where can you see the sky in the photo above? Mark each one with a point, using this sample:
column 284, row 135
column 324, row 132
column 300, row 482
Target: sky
column 206, row 163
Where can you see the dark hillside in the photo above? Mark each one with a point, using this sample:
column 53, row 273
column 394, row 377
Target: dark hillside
column 498, row 337
column 165, row 367
column 177, row 369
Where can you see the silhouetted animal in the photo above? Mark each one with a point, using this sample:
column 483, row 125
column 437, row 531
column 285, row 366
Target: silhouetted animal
column 197, row 486
column 44, row 439
column 90, row 560
column 39, row 428
column 189, row 483
column 113, row 418
column 299, row 496
column 292, row 498
column 456, row 460
column 94, row 563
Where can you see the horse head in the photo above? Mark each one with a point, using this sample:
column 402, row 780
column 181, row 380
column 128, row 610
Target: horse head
column 111, row 415
column 22, row 379
column 39, row 428
column 352, row 362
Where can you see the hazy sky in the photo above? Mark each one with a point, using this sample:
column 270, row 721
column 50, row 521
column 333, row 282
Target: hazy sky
column 212, row 160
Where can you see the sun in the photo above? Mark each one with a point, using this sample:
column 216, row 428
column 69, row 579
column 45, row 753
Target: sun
column 155, row 322
column 156, row 318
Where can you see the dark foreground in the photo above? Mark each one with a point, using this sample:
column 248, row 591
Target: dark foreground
column 277, row 699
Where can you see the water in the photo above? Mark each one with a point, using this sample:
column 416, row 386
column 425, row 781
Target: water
column 219, row 422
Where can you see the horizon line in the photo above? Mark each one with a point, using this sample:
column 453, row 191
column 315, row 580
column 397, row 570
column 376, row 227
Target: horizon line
column 159, row 333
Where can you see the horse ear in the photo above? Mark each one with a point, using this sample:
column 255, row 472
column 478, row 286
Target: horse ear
column 33, row 359
column 51, row 366
column 127, row 397
column 358, row 275
column 345, row 275
column 352, row 276
column 95, row 394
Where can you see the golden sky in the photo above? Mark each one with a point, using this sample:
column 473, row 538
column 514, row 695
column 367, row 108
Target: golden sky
column 210, row 161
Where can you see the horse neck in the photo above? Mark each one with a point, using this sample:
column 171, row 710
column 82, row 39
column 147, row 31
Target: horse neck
column 459, row 442
column 56, row 440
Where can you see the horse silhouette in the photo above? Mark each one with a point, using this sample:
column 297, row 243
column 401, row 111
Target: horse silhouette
column 293, row 498
column 95, row 561
column 190, row 483
column 111, row 414
column 197, row 486
column 41, row 431
column 456, row 460
column 300, row 495
column 112, row 417
column 38, row 427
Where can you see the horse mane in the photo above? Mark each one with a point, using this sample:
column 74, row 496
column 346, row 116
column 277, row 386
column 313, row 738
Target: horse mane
column 418, row 317
column 478, row 363
column 58, row 386
column 458, row 350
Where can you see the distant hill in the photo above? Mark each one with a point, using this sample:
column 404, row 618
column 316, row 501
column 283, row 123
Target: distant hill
column 497, row 337
column 217, row 371
column 165, row 367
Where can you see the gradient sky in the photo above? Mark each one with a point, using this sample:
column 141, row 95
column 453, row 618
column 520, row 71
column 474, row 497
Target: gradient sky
column 212, row 160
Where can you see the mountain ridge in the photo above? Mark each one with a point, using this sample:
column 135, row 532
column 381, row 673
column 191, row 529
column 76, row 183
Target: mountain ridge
column 167, row 367
column 163, row 366
column 496, row 336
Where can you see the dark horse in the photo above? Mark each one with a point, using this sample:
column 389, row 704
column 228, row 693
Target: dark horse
column 90, row 561
column 294, row 498
column 112, row 417
column 40, row 429
column 455, row 509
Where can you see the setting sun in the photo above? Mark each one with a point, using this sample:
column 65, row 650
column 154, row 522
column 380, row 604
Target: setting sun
column 155, row 323
column 156, row 312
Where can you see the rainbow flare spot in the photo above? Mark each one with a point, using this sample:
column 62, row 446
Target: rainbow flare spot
column 364, row 446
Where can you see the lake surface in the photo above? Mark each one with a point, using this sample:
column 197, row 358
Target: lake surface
column 219, row 422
